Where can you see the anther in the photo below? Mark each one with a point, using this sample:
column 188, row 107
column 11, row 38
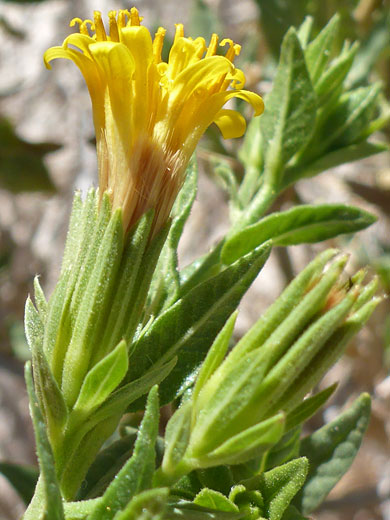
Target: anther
column 234, row 49
column 82, row 27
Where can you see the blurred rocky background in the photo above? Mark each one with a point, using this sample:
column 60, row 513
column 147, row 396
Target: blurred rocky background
column 46, row 153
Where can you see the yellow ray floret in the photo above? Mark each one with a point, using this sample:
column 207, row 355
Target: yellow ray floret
column 150, row 114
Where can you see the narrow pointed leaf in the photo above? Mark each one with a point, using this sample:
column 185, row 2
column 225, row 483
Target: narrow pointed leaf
column 51, row 492
column 215, row 500
column 93, row 308
column 302, row 224
column 308, row 407
column 331, row 451
column 288, row 120
column 188, row 328
column 248, row 444
column 40, row 300
column 48, row 392
column 176, row 437
column 215, row 355
column 136, row 474
column 106, row 465
column 353, row 152
column 318, row 51
column 102, row 379
column 147, row 505
column 279, row 486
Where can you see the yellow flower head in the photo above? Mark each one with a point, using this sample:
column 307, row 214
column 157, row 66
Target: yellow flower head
column 149, row 115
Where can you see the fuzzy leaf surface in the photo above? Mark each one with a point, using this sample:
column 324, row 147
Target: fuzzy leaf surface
column 52, row 496
column 331, row 451
column 302, row 224
column 279, row 485
column 288, row 121
column 102, row 379
column 188, row 328
column 136, row 474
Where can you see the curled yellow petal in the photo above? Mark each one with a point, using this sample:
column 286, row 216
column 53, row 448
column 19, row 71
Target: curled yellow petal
column 231, row 123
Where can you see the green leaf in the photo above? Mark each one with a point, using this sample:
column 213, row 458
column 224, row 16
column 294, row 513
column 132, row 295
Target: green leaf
column 124, row 396
column 318, row 51
column 288, row 121
column 147, row 505
column 331, row 451
column 285, row 450
column 53, row 508
column 308, row 407
column 201, row 269
column 215, row 500
column 123, row 299
column 219, row 478
column 190, row 511
column 101, row 380
column 188, row 328
column 347, row 154
column 331, row 351
column 165, row 283
column 248, row 444
column 23, row 479
column 350, row 117
column 83, row 229
column 93, row 309
column 296, row 363
column 302, row 224
column 279, row 486
column 40, row 300
column 48, row 392
column 329, row 84
column 106, row 465
column 176, row 437
column 215, row 355
column 305, row 30
column 136, row 474
column 285, row 304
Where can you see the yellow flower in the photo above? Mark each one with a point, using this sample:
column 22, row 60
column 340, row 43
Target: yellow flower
column 149, row 115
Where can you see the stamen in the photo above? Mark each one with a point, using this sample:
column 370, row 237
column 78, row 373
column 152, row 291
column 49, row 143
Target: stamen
column 83, row 25
column 134, row 17
column 122, row 18
column 179, row 31
column 101, row 35
column 158, row 43
column 200, row 46
column 213, row 45
column 234, row 49
column 114, row 33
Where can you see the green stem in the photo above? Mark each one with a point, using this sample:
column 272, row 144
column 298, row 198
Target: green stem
column 37, row 504
column 256, row 209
